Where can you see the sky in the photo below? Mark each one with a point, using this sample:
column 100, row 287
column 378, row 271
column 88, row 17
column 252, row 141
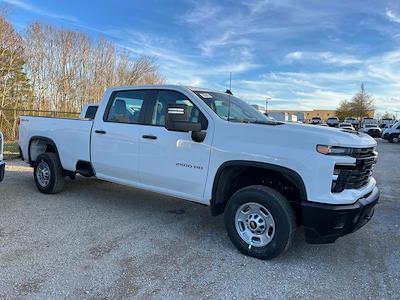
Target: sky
column 300, row 54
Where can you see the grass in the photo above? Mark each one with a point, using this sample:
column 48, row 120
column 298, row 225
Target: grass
column 11, row 149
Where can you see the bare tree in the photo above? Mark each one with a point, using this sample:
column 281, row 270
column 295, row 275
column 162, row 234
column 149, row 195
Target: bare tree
column 360, row 106
column 362, row 103
column 344, row 110
column 67, row 69
column 14, row 85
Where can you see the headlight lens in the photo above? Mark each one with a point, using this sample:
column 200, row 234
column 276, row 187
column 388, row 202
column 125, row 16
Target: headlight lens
column 333, row 150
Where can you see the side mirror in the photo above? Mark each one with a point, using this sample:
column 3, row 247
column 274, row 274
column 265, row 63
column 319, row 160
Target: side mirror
column 177, row 119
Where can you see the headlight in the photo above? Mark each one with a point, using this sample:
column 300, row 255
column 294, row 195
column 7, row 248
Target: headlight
column 333, row 150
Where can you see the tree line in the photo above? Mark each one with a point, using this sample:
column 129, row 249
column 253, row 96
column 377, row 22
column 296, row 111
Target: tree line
column 50, row 68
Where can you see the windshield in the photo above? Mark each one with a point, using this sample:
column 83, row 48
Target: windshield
column 233, row 109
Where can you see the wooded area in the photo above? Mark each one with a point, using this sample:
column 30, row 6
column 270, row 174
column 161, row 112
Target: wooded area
column 52, row 69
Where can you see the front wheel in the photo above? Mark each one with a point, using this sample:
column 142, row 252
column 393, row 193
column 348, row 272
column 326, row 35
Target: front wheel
column 260, row 222
column 394, row 138
column 48, row 173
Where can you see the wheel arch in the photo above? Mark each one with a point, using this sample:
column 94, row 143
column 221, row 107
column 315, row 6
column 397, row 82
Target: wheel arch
column 50, row 146
column 228, row 171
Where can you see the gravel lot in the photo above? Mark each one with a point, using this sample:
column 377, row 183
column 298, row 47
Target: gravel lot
column 100, row 240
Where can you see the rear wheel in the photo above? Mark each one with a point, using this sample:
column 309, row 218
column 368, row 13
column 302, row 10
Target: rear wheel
column 260, row 222
column 48, row 173
column 394, row 139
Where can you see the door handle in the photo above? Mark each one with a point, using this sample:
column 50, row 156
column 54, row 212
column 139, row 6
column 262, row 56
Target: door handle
column 100, row 131
column 149, row 137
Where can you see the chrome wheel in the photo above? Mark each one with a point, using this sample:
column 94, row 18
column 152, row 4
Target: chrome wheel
column 254, row 224
column 43, row 174
column 395, row 139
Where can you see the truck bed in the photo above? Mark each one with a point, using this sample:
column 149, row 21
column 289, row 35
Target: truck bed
column 72, row 137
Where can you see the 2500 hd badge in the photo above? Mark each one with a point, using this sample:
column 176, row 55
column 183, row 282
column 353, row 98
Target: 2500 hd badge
column 189, row 166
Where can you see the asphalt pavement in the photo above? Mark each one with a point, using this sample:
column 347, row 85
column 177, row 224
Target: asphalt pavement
column 98, row 240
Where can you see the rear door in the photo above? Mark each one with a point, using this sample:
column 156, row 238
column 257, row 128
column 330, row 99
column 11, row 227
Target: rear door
column 171, row 162
column 115, row 137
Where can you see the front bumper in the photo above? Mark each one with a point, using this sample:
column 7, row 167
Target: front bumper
column 375, row 134
column 2, row 170
column 325, row 223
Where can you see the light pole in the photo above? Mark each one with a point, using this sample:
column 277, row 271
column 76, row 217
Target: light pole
column 266, row 104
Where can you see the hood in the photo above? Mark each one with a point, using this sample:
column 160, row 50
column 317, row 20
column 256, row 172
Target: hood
column 295, row 134
column 331, row 136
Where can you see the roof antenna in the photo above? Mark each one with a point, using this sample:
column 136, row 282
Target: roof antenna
column 230, row 85
column 229, row 94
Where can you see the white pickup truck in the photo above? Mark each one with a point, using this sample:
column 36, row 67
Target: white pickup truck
column 2, row 164
column 212, row 148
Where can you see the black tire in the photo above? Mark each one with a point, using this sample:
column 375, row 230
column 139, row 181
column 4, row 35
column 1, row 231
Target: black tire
column 394, row 138
column 2, row 171
column 281, row 211
column 56, row 178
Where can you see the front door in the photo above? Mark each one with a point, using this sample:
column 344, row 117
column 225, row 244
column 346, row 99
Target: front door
column 171, row 162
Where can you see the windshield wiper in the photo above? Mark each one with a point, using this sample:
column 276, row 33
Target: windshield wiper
column 267, row 122
column 231, row 119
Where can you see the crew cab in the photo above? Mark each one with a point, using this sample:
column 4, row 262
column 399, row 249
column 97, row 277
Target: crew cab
column 209, row 147
column 353, row 121
column 346, row 126
column 371, row 129
column 392, row 134
column 316, row 121
column 88, row 111
column 2, row 164
column 333, row 122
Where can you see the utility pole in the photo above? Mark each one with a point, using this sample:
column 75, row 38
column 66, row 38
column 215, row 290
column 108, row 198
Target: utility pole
column 266, row 104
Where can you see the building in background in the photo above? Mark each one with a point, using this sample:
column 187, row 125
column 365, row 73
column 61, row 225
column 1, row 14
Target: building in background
column 306, row 115
column 283, row 116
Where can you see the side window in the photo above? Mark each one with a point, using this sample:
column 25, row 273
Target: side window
column 166, row 98
column 126, row 107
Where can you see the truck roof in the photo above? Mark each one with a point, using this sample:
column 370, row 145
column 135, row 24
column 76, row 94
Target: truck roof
column 161, row 86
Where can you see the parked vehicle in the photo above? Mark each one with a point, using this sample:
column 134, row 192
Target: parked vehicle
column 368, row 121
column 385, row 122
column 392, row 133
column 333, row 122
column 385, row 126
column 267, row 177
column 316, row 121
column 371, row 129
column 2, row 164
column 89, row 111
column 347, row 126
column 353, row 121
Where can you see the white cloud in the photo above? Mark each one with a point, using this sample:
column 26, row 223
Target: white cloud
column 38, row 11
column 201, row 12
column 392, row 16
column 316, row 89
column 322, row 58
